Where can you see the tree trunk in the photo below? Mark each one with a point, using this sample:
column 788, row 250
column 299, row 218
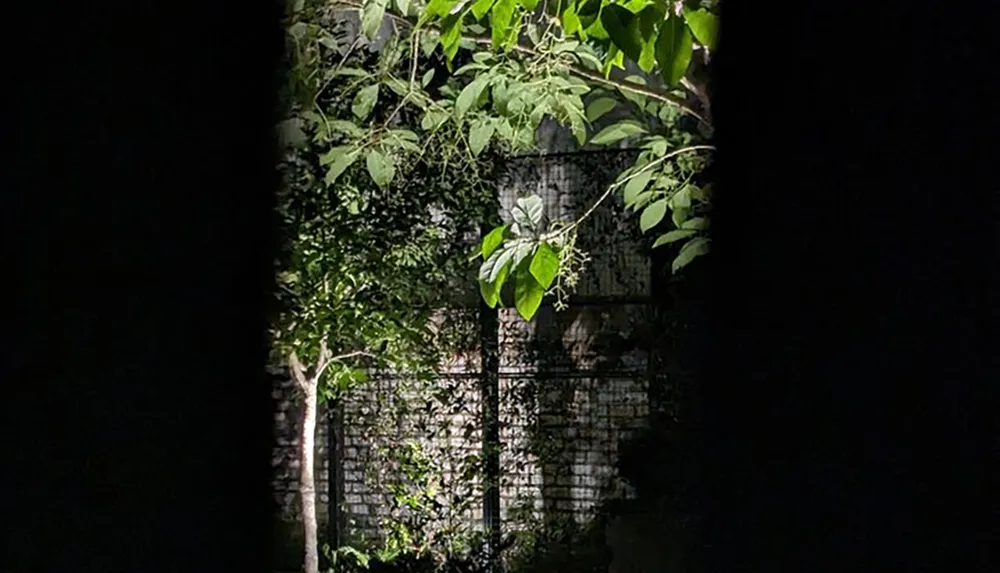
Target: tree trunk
column 307, row 482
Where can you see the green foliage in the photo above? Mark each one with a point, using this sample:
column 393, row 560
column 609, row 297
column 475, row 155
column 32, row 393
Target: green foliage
column 540, row 64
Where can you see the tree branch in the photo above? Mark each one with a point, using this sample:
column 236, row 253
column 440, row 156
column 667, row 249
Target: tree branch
column 333, row 359
column 298, row 371
column 618, row 184
column 577, row 71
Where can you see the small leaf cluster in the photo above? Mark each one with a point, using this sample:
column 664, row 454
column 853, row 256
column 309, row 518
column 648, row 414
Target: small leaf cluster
column 524, row 252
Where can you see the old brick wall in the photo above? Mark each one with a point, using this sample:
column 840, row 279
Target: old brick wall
column 573, row 383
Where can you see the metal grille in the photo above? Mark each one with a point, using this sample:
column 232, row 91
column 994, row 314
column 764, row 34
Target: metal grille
column 570, row 385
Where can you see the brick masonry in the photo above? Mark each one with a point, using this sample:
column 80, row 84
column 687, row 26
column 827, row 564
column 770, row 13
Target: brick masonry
column 573, row 386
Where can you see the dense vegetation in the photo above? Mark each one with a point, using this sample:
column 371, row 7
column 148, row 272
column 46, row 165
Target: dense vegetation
column 391, row 134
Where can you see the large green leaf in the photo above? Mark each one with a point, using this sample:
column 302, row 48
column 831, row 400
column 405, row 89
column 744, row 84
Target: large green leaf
column 491, row 268
column 364, row 101
column 490, row 291
column 480, row 134
column 618, row 132
column 527, row 212
column 704, row 26
column 681, row 199
column 545, row 265
column 527, row 295
column 470, row 95
column 695, row 247
column 618, row 21
column 646, row 24
column 696, row 223
column 571, row 21
column 437, row 9
column 674, row 47
column 672, row 236
column 339, row 165
column 522, row 250
column 334, row 154
column 451, row 35
column 380, row 167
column 652, row 215
column 600, row 106
column 636, row 185
column 492, row 240
column 433, row 119
column 479, row 8
column 501, row 21
column 371, row 17
column 588, row 12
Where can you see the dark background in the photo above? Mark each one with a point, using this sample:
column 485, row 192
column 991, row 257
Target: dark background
column 849, row 371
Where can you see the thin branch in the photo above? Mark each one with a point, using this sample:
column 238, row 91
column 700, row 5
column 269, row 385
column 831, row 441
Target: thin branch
column 617, row 184
column 322, row 368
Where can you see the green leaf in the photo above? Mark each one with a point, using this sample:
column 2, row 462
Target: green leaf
column 380, row 167
column 704, row 26
column 588, row 12
column 364, row 101
column 600, row 106
column 636, row 185
column 618, row 22
column 334, row 154
column 436, row 9
column 571, row 21
column 501, row 21
column 693, row 248
column 480, row 134
column 492, row 240
column 433, row 119
column 647, row 23
column 481, row 7
column 522, row 250
column 427, row 77
column 371, row 17
column 451, row 34
column 681, row 199
column 679, row 215
column 699, row 223
column 528, row 212
column 592, row 61
column 652, row 215
column 674, row 47
column 339, row 166
column 618, row 132
column 640, row 200
column 672, row 236
column 527, row 295
column 615, row 59
column 545, row 265
column 579, row 129
column 490, row 270
column 346, row 127
column 470, row 95
column 490, row 291
column 403, row 6
column 529, row 5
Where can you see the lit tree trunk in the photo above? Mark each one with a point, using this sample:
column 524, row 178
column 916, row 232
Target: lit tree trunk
column 307, row 482
column 308, row 383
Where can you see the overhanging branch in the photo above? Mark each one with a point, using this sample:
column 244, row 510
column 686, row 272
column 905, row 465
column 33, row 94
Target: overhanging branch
column 577, row 71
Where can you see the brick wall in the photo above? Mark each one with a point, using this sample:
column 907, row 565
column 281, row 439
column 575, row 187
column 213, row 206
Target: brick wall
column 573, row 383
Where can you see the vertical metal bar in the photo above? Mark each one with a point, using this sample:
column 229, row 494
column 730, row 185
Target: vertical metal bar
column 490, row 396
column 333, row 476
